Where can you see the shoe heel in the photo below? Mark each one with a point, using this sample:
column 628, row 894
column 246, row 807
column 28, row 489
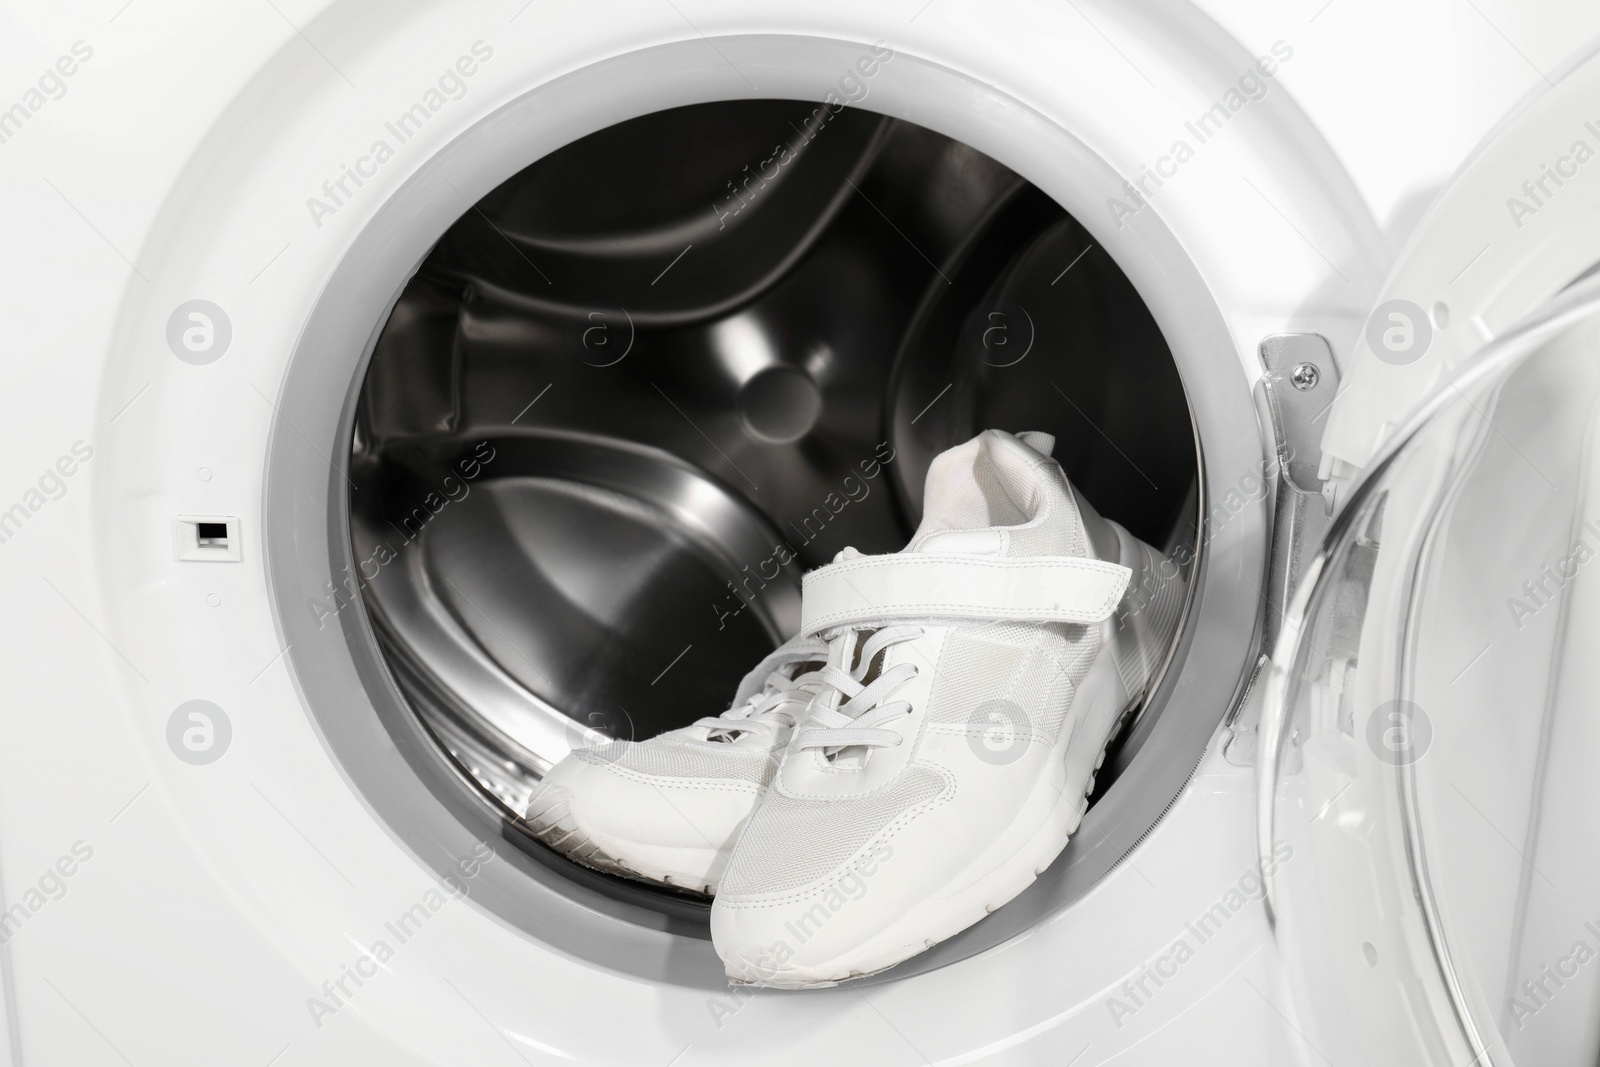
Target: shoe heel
column 1147, row 618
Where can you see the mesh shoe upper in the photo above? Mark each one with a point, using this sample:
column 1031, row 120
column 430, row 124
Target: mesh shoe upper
column 665, row 757
column 793, row 841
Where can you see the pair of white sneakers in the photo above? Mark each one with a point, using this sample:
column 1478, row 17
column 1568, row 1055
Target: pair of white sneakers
column 916, row 756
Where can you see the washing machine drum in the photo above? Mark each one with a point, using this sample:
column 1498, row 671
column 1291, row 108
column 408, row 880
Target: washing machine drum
column 607, row 424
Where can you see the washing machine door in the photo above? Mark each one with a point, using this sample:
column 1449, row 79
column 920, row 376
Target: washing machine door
column 1427, row 803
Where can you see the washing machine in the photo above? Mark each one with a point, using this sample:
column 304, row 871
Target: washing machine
column 403, row 395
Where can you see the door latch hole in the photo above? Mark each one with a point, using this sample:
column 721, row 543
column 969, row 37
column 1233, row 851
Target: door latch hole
column 206, row 538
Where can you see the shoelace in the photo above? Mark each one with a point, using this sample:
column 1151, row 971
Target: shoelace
column 859, row 719
column 761, row 712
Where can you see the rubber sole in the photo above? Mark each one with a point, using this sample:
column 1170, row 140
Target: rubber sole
column 552, row 816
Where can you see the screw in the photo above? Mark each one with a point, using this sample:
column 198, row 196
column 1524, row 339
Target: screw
column 1305, row 377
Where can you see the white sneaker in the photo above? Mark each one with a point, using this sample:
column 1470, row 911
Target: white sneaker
column 973, row 683
column 670, row 809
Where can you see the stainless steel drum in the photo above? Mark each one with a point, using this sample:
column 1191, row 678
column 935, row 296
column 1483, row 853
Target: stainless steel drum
column 639, row 388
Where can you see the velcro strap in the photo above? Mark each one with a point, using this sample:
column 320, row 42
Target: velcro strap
column 1032, row 589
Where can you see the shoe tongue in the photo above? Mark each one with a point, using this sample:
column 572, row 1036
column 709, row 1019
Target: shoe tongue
column 989, row 542
column 999, row 495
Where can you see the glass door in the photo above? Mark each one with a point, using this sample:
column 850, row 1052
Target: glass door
column 1429, row 807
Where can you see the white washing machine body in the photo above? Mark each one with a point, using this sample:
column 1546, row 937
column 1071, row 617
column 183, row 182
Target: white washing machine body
column 181, row 887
